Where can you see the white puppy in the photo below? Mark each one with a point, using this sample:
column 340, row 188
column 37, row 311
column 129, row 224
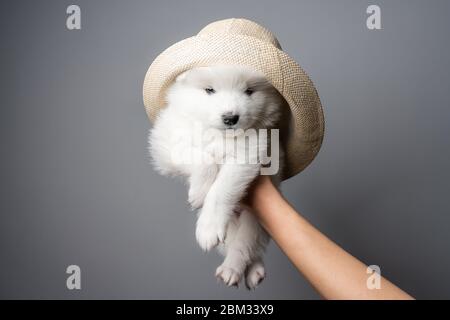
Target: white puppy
column 219, row 105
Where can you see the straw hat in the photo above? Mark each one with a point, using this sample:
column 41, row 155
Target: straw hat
column 244, row 42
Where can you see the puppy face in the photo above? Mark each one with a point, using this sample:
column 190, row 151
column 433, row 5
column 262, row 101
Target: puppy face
column 225, row 97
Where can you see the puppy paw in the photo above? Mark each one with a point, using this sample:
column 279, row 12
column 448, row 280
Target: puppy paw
column 210, row 231
column 254, row 275
column 228, row 275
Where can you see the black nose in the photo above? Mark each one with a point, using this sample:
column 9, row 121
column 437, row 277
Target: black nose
column 230, row 119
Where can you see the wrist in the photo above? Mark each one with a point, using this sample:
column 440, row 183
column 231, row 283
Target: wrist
column 265, row 197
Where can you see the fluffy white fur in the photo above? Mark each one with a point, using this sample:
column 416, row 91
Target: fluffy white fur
column 202, row 96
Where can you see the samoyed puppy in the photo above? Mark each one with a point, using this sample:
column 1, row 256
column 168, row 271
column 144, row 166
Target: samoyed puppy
column 211, row 119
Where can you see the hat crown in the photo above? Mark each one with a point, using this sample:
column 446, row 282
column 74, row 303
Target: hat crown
column 241, row 27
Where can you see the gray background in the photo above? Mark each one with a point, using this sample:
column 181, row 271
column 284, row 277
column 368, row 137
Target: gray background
column 77, row 188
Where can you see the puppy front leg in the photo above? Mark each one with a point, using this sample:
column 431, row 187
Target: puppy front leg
column 200, row 181
column 226, row 191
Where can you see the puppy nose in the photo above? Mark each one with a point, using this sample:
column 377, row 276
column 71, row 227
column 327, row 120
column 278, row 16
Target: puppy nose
column 230, row 119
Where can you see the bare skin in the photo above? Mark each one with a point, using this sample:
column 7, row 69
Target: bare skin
column 332, row 271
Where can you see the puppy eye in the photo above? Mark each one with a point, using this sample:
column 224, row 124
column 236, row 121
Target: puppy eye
column 248, row 92
column 210, row 90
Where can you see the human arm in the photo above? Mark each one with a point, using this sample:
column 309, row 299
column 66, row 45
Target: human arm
column 332, row 271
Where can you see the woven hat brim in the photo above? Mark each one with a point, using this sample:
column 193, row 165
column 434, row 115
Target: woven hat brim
column 307, row 128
